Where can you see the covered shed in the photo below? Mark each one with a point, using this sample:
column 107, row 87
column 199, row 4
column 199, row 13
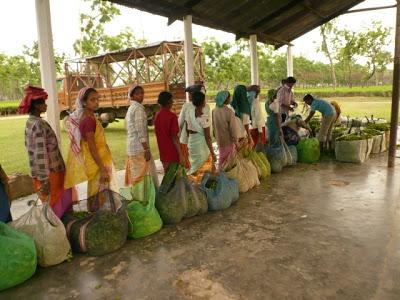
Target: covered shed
column 276, row 22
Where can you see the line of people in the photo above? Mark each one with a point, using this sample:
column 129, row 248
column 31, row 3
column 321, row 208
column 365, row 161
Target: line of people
column 186, row 139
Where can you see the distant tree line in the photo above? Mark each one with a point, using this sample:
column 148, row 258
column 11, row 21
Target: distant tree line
column 226, row 64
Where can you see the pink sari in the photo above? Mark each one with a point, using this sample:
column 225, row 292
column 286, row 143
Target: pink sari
column 224, row 153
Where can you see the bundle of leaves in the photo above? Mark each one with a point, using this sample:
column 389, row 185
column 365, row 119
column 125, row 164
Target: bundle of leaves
column 372, row 132
column 379, row 126
column 362, row 135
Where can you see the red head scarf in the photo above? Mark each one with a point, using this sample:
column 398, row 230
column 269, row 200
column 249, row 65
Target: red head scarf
column 31, row 94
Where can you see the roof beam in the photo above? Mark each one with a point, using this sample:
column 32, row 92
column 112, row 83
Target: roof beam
column 315, row 11
column 369, row 9
column 281, row 24
column 275, row 14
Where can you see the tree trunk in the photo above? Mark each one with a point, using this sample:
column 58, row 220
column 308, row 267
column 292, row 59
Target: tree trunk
column 328, row 54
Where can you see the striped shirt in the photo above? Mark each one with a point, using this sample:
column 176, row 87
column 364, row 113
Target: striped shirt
column 136, row 126
column 42, row 146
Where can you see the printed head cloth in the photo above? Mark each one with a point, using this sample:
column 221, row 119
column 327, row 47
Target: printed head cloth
column 31, row 94
column 74, row 120
column 221, row 98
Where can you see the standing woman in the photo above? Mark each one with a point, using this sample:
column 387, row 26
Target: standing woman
column 257, row 121
column 139, row 159
column 183, row 139
column 224, row 126
column 274, row 119
column 45, row 160
column 201, row 153
column 89, row 158
column 242, row 109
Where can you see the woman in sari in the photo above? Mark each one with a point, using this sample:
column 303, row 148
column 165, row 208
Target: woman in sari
column 183, row 139
column 257, row 130
column 224, row 126
column 275, row 133
column 201, row 153
column 89, row 158
column 45, row 160
column 242, row 109
column 139, row 161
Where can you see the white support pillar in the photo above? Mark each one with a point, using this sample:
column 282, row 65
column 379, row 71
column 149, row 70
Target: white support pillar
column 188, row 51
column 289, row 61
column 47, row 64
column 254, row 60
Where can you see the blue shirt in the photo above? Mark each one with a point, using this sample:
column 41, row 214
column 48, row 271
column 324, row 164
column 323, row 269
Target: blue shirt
column 324, row 107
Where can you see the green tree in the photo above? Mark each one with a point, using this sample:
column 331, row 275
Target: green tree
column 93, row 39
column 372, row 46
column 328, row 38
column 347, row 49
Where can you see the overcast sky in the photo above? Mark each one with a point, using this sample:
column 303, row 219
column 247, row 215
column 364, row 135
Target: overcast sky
column 18, row 26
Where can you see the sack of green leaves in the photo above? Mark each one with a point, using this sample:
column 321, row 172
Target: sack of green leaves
column 141, row 208
column 379, row 140
column 262, row 165
column 354, row 148
column 384, row 128
column 18, row 257
column 178, row 198
column 102, row 231
column 308, row 151
column 48, row 232
column 236, row 167
column 221, row 191
column 277, row 157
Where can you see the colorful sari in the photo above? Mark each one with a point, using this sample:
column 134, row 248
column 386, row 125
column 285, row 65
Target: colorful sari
column 199, row 155
column 81, row 166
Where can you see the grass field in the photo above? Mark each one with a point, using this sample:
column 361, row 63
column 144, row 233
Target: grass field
column 368, row 91
column 14, row 158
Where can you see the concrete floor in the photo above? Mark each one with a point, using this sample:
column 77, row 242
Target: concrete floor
column 325, row 231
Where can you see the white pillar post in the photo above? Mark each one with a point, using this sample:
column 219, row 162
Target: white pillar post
column 47, row 64
column 289, row 61
column 188, row 51
column 254, row 60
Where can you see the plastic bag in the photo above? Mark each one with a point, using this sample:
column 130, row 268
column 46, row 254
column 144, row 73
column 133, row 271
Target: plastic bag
column 356, row 151
column 265, row 162
column 237, row 168
column 290, row 160
column 221, row 191
column 293, row 154
column 48, row 232
column 18, row 257
column 308, row 150
column 263, row 168
column 100, row 232
column 142, row 213
column 178, row 197
column 277, row 158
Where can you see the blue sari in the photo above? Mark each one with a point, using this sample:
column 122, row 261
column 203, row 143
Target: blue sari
column 197, row 146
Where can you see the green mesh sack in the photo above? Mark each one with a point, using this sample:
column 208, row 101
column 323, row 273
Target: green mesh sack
column 100, row 232
column 18, row 258
column 142, row 213
column 308, row 151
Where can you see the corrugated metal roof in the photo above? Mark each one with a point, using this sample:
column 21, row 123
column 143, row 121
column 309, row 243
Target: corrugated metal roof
column 276, row 22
